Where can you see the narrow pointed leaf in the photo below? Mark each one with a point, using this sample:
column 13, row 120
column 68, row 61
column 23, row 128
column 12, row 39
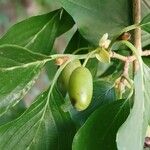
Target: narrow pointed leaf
column 66, row 23
column 43, row 40
column 137, row 122
column 23, row 32
column 39, row 32
column 146, row 81
column 43, row 126
column 19, row 68
column 99, row 131
column 12, row 56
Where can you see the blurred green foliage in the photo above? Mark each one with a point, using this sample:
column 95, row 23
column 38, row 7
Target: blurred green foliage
column 48, row 4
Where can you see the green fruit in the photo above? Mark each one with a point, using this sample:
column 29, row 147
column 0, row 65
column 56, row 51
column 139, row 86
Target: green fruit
column 67, row 71
column 81, row 88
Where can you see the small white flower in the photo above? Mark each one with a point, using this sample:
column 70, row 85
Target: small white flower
column 104, row 41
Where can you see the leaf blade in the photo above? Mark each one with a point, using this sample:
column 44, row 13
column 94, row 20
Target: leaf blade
column 145, row 23
column 137, row 121
column 38, row 33
column 90, row 14
column 19, row 69
column 40, row 118
column 106, row 125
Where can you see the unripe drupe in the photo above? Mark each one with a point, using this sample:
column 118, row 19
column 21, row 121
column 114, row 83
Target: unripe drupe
column 67, row 71
column 81, row 88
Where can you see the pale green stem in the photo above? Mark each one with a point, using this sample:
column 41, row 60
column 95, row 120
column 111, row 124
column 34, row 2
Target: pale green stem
column 90, row 55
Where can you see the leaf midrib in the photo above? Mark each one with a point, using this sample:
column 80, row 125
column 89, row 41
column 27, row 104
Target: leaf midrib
column 36, row 35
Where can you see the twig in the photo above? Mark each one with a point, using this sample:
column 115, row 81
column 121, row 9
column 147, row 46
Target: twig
column 117, row 56
column 145, row 53
column 128, row 58
column 126, row 68
column 137, row 31
column 122, row 83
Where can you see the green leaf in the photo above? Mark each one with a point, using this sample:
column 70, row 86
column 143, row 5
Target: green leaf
column 43, row 40
column 103, row 93
column 43, row 126
column 145, row 7
column 13, row 56
column 76, row 42
column 92, row 65
column 145, row 11
column 99, row 131
column 23, row 32
column 19, row 68
column 114, row 69
column 146, row 80
column 51, row 69
column 13, row 113
column 145, row 38
column 137, row 122
column 146, row 61
column 94, row 18
column 145, row 23
column 66, row 22
column 38, row 33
